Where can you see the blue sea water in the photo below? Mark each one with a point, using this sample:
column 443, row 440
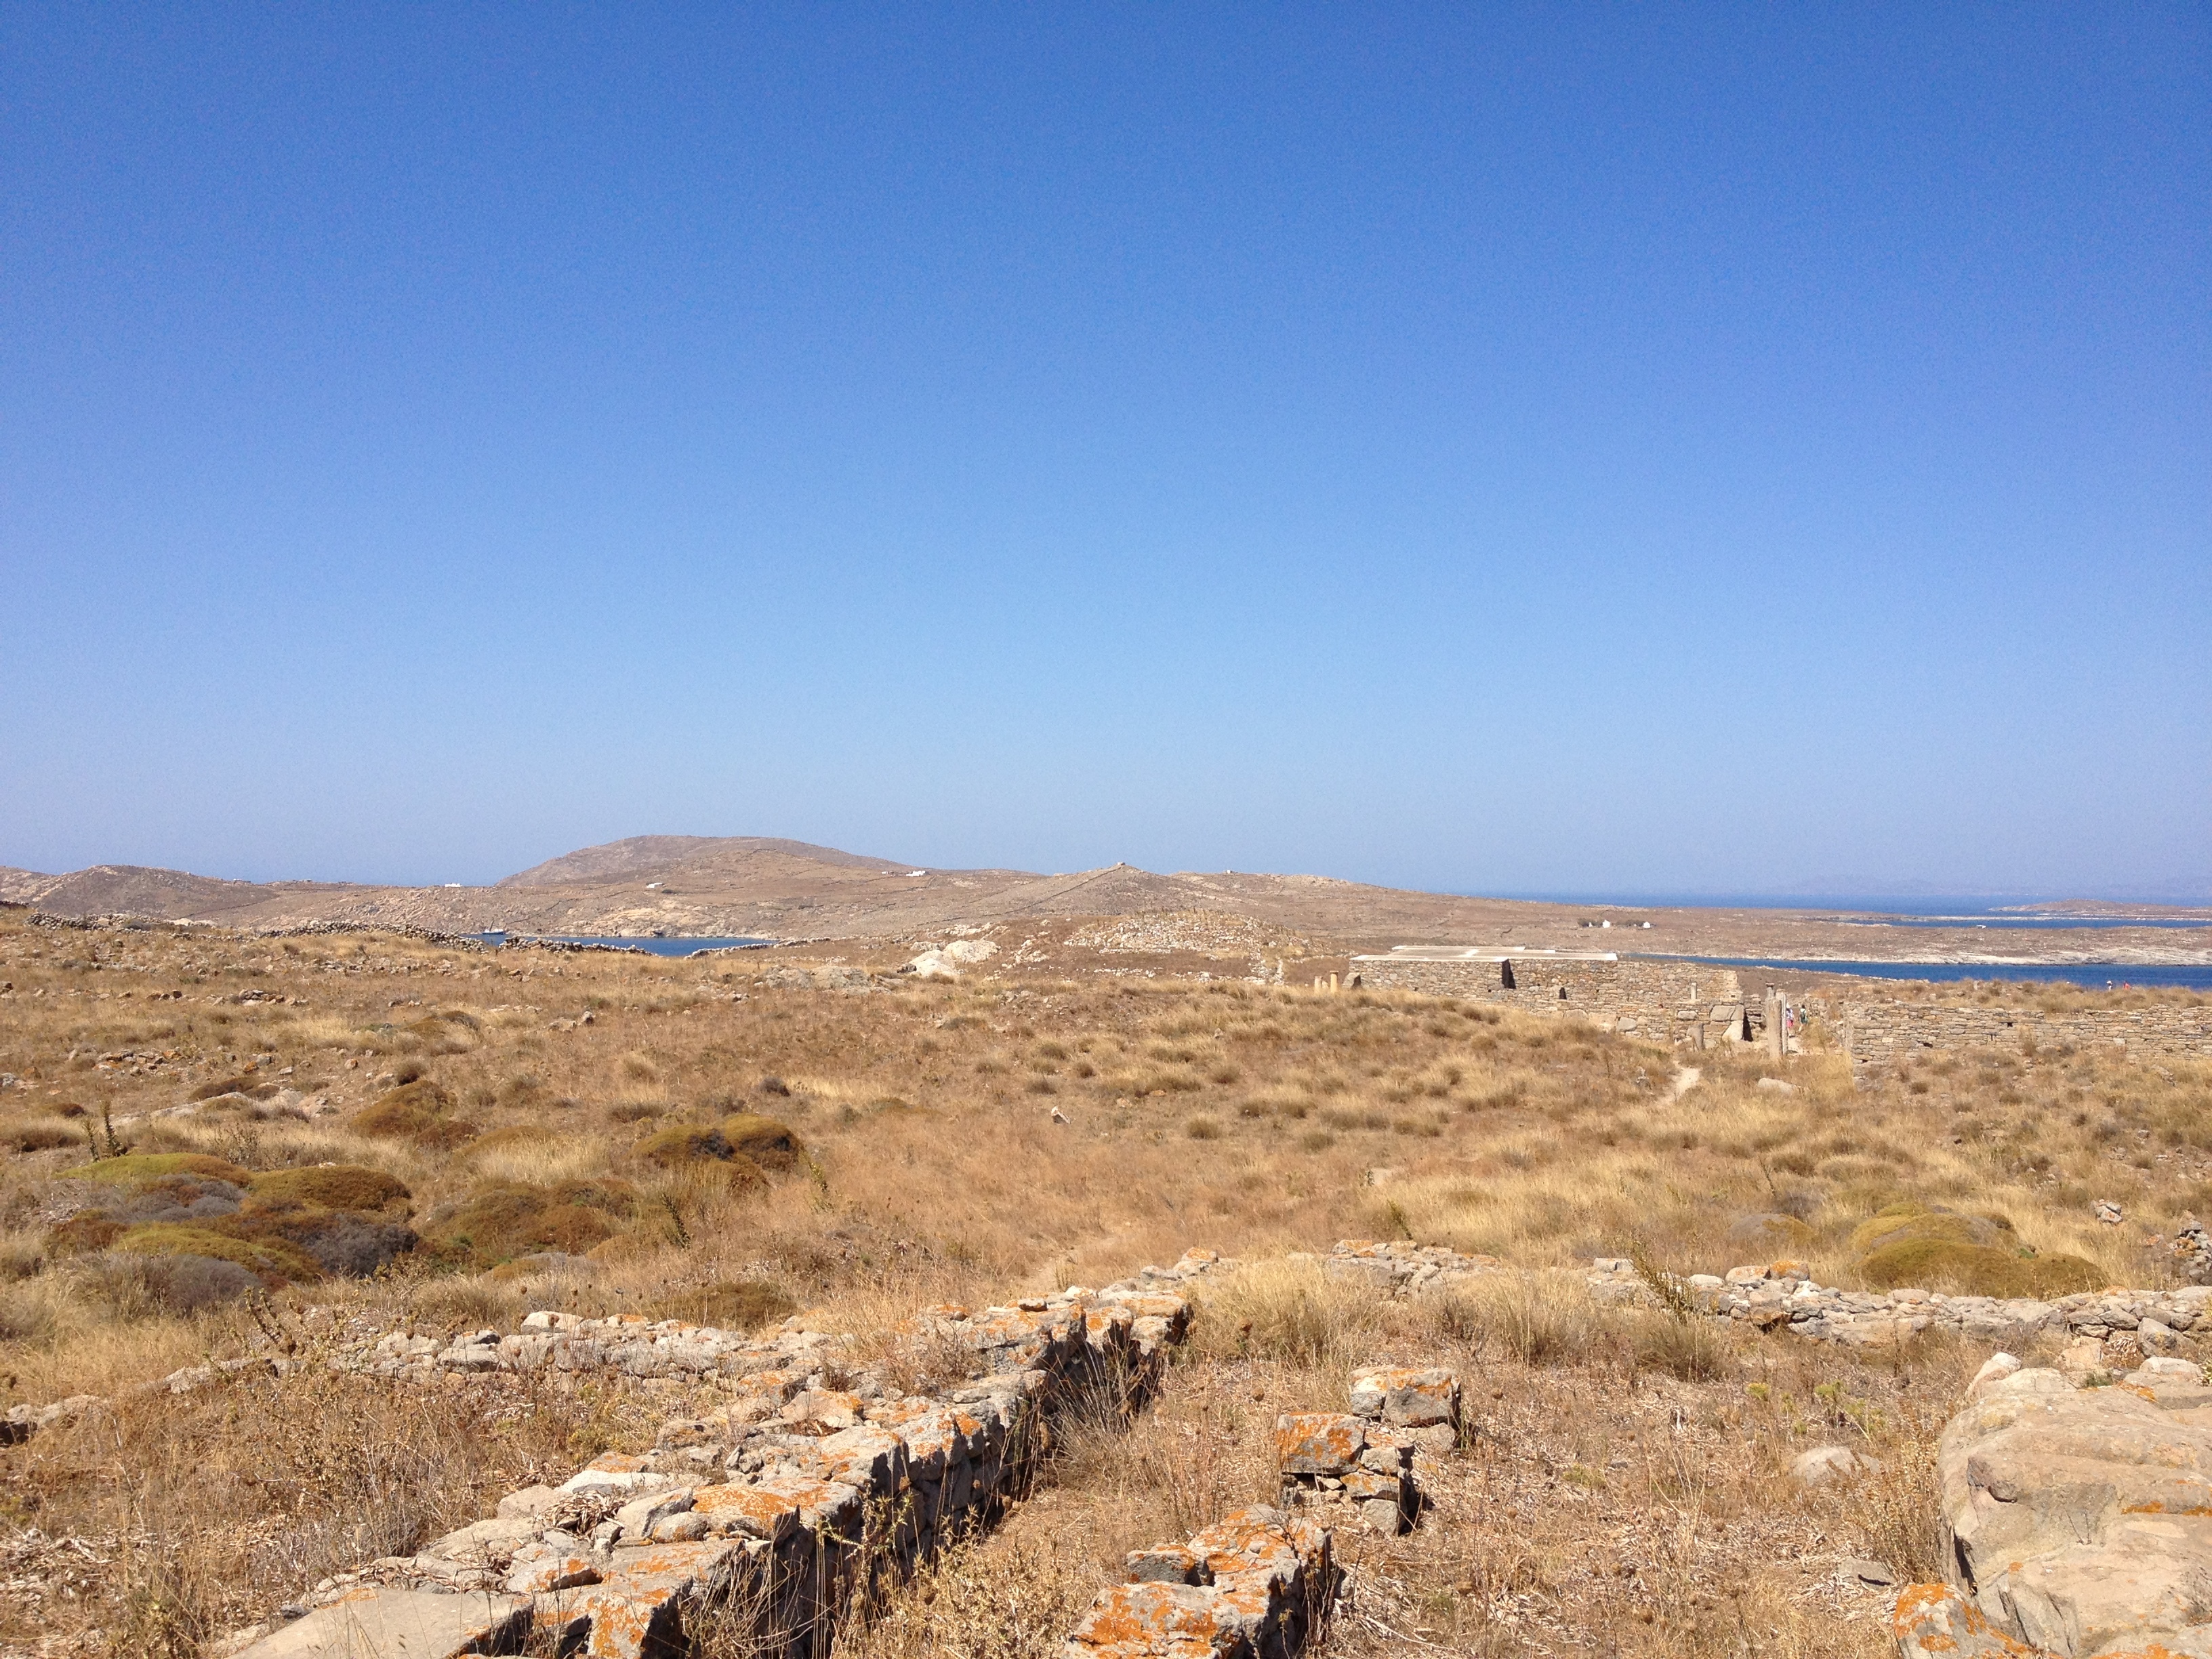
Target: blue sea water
column 651, row 946
column 1999, row 922
column 2094, row 975
column 1979, row 910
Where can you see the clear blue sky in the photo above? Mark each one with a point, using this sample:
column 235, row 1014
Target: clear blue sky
column 1496, row 448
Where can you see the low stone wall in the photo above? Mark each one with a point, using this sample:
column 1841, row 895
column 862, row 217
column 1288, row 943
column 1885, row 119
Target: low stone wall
column 1365, row 1457
column 2111, row 1329
column 821, row 1473
column 1259, row 1584
column 1254, row 1585
column 1879, row 1031
column 1690, row 1005
column 2108, row 1330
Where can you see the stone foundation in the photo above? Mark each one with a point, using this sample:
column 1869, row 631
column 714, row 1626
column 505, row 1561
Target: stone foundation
column 819, row 1477
column 1256, row 1584
column 1686, row 1004
column 1879, row 1032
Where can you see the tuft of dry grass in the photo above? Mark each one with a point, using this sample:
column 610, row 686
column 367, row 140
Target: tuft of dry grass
column 1291, row 1312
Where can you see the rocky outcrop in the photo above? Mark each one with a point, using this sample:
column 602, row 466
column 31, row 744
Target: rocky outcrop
column 1934, row 1622
column 2076, row 1521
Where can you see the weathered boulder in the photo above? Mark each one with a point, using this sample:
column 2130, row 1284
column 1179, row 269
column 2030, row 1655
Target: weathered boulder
column 2079, row 1520
column 1933, row 1621
column 1318, row 1442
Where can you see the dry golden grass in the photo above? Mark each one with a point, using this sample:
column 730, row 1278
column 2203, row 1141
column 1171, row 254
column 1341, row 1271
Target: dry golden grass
column 933, row 1169
column 210, row 1497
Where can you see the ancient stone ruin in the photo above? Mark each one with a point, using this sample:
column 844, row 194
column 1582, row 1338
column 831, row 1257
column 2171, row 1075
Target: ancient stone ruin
column 822, row 1475
column 1697, row 1006
column 1366, row 1457
column 1254, row 1585
column 1689, row 1005
column 2076, row 1501
column 1879, row 1031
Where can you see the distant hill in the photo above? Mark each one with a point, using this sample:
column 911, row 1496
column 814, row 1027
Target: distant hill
column 695, row 858
column 136, row 890
column 709, row 886
column 752, row 885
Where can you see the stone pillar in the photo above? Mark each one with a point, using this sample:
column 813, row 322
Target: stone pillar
column 1332, row 982
column 1777, row 1044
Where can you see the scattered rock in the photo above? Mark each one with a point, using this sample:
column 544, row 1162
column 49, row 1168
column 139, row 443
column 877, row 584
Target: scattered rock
column 2153, row 1336
column 2192, row 1247
column 1995, row 1369
column 1867, row 1571
column 1826, row 1463
column 532, row 1501
column 1407, row 1398
column 2109, row 1212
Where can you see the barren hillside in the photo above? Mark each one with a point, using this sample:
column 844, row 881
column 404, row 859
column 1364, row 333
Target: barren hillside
column 756, row 886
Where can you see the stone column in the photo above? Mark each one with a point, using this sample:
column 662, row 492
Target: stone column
column 1777, row 1044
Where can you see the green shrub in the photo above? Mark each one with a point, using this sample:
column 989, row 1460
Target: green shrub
column 769, row 1143
column 1960, row 1269
column 38, row 1135
column 502, row 1219
column 681, row 1144
column 333, row 1186
column 416, row 1112
column 273, row 1260
column 140, row 1168
column 1909, row 1220
column 82, row 1234
column 339, row 1241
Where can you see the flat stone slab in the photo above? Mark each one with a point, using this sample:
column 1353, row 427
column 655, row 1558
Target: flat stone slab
column 397, row 1623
